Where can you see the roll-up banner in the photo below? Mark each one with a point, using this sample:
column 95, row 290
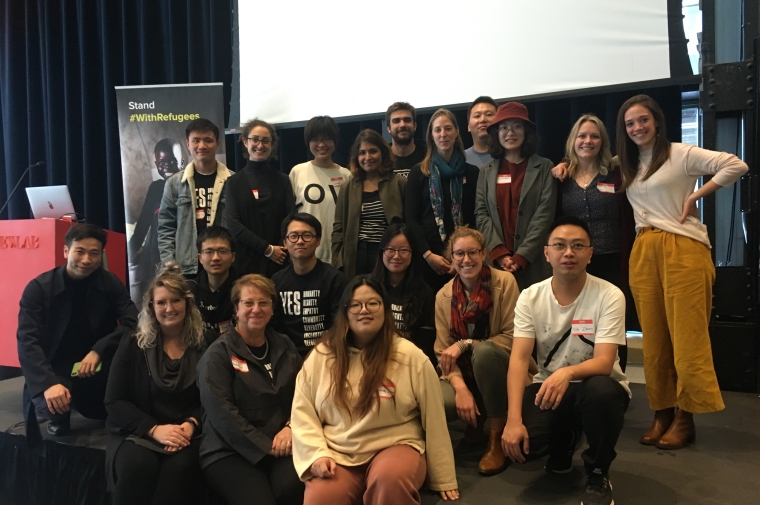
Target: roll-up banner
column 152, row 122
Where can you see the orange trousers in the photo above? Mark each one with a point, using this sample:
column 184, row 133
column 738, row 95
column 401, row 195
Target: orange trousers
column 671, row 278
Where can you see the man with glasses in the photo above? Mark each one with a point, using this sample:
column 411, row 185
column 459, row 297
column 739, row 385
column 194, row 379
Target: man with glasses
column 193, row 198
column 212, row 288
column 70, row 322
column 309, row 290
column 576, row 321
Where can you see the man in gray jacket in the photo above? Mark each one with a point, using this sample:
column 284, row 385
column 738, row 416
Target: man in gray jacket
column 193, row 199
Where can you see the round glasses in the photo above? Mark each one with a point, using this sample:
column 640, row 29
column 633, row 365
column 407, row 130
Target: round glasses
column 306, row 236
column 459, row 254
column 402, row 253
column 372, row 306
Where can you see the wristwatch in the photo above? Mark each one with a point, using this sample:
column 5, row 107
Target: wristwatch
column 468, row 341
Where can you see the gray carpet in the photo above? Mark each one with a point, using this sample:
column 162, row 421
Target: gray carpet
column 723, row 467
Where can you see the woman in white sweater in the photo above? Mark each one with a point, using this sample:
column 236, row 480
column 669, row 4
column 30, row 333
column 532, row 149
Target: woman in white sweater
column 671, row 270
column 368, row 421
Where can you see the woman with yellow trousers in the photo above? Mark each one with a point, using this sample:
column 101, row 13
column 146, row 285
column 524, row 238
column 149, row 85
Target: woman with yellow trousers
column 671, row 270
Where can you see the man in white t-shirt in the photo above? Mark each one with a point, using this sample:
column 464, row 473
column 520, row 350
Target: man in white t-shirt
column 317, row 183
column 576, row 321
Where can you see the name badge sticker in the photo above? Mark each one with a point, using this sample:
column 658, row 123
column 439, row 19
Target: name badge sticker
column 606, row 187
column 336, row 181
column 386, row 390
column 504, row 179
column 464, row 180
column 200, row 213
column 583, row 328
column 255, row 193
column 239, row 364
column 225, row 326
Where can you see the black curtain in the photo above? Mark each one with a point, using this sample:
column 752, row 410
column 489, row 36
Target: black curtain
column 59, row 63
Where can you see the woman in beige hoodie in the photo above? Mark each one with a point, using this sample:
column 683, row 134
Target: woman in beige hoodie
column 368, row 420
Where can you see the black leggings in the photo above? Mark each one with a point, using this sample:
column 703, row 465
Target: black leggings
column 272, row 481
column 145, row 476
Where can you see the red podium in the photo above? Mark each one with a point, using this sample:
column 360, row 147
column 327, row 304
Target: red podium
column 29, row 247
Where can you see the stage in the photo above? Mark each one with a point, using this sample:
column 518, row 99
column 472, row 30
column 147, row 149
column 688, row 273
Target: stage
column 721, row 468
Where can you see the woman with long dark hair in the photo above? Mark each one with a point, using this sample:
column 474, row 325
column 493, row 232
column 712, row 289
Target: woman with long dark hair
column 153, row 403
column 368, row 420
column 517, row 197
column 372, row 199
column 440, row 195
column 412, row 301
column 671, row 268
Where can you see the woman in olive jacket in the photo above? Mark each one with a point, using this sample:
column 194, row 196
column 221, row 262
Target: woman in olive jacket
column 372, row 200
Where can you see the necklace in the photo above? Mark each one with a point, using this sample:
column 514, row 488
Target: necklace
column 580, row 178
column 266, row 351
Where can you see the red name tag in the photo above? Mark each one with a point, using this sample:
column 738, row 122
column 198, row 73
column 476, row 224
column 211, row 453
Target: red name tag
column 504, row 179
column 255, row 193
column 583, row 327
column 239, row 364
column 605, row 187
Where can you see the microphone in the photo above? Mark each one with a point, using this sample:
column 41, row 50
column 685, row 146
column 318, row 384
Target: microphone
column 38, row 164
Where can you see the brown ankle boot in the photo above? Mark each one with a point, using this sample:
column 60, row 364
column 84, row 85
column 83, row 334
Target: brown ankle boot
column 681, row 432
column 493, row 461
column 662, row 421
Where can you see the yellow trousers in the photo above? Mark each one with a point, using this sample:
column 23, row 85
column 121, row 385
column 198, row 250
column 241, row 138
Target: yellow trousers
column 671, row 278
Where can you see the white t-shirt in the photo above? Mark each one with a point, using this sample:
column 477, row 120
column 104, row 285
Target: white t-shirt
column 316, row 191
column 565, row 335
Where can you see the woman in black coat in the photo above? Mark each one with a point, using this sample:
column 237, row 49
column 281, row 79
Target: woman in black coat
column 153, row 403
column 259, row 198
column 247, row 382
column 440, row 196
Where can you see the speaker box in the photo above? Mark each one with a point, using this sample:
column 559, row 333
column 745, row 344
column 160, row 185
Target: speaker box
column 735, row 355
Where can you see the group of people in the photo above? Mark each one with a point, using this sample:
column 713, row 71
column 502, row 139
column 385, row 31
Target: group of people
column 310, row 334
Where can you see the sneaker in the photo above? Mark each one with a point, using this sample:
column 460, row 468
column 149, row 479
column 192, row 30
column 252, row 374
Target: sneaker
column 561, row 462
column 598, row 489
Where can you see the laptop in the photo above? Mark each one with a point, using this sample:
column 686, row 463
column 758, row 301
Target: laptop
column 50, row 201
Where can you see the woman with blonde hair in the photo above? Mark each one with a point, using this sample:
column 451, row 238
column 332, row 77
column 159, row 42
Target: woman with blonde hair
column 153, row 403
column 368, row 420
column 440, row 195
column 246, row 379
column 591, row 191
column 474, row 321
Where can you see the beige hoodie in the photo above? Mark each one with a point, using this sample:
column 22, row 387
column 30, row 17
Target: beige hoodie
column 416, row 418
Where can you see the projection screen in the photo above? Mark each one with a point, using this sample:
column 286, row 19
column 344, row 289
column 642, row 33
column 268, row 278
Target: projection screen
column 343, row 58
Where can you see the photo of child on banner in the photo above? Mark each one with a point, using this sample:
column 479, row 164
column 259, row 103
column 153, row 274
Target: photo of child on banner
column 152, row 121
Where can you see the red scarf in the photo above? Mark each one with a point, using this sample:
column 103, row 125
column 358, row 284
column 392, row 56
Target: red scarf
column 464, row 312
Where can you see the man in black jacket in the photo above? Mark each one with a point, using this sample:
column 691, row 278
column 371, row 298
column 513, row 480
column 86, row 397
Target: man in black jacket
column 70, row 322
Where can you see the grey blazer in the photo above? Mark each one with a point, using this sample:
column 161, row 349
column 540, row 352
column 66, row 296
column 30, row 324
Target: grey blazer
column 538, row 205
column 348, row 209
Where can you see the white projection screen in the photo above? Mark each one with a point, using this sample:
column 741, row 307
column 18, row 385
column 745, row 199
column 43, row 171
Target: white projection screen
column 301, row 58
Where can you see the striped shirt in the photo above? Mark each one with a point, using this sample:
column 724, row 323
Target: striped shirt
column 372, row 221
